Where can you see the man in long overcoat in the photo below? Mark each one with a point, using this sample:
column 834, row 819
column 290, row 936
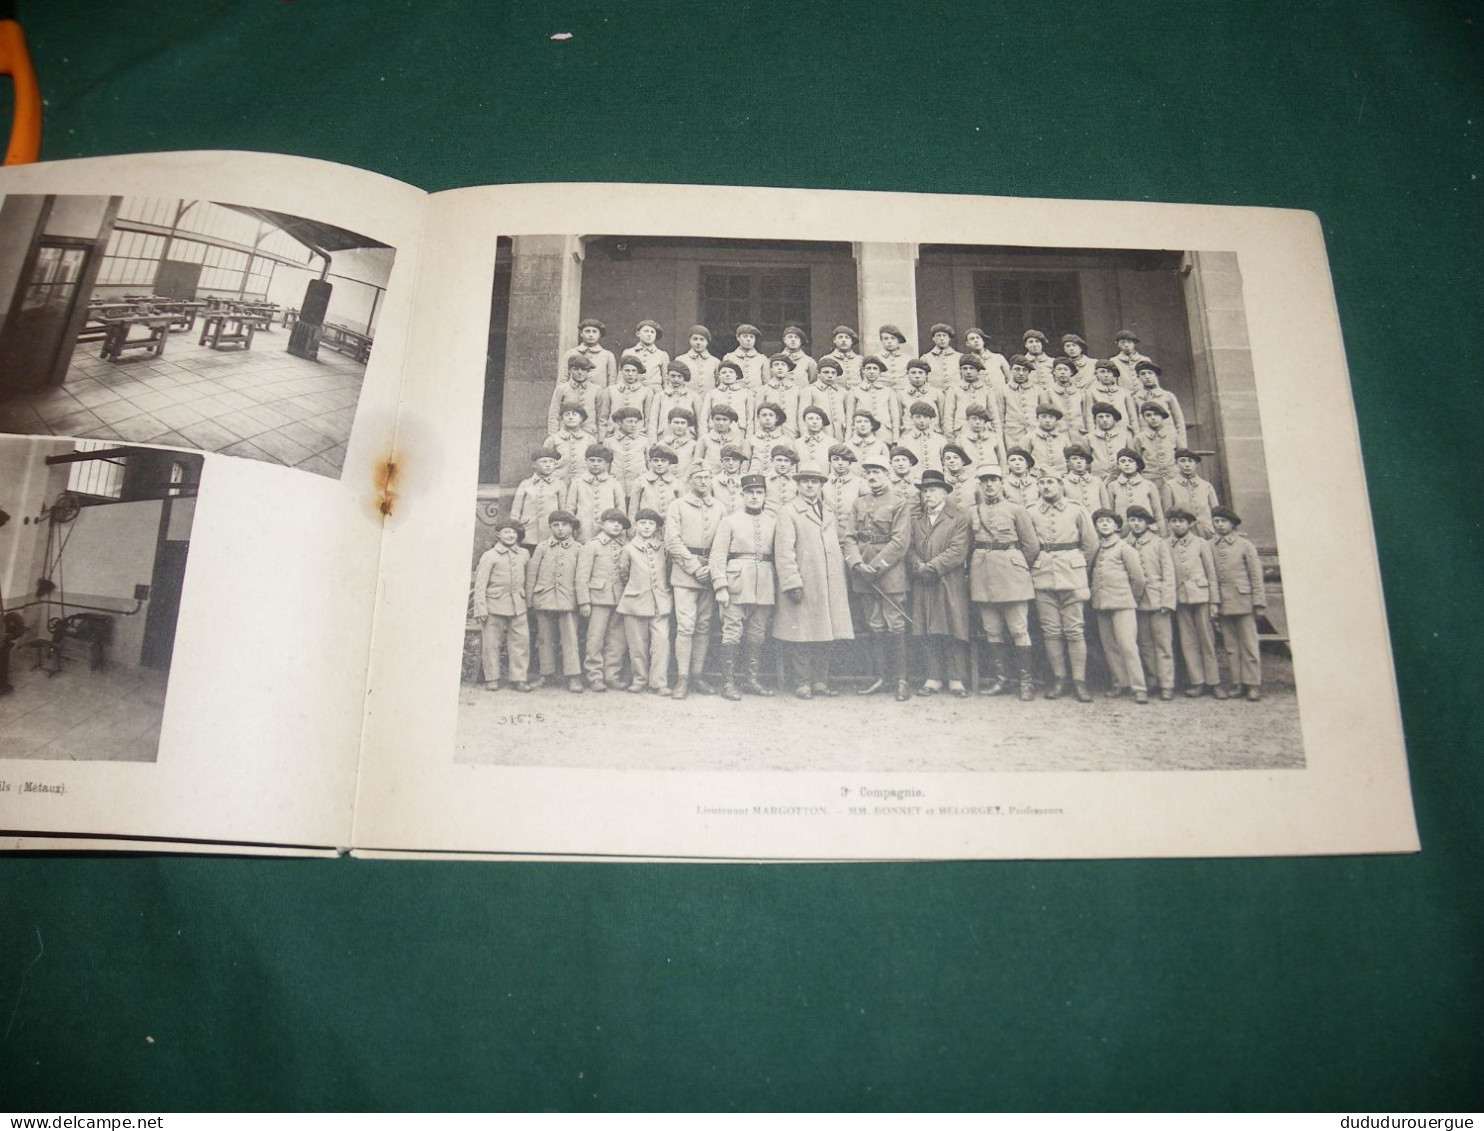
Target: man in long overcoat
column 815, row 610
column 938, row 559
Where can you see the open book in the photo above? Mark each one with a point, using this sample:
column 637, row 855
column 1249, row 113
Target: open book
column 344, row 516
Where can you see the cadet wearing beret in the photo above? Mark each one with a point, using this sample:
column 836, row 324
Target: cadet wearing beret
column 865, row 440
column 843, row 486
column 647, row 604
column 971, row 389
column 1064, row 392
column 724, row 430
column 1151, row 391
column 1022, row 485
column 746, row 587
column 815, row 438
column 551, row 590
column 594, row 491
column 646, row 334
column 846, row 340
column 1197, row 599
column 500, row 606
column 1049, row 441
column 958, row 469
column 996, row 365
column 794, row 342
column 538, row 495
column 1155, row 440
column 630, row 447
column 923, row 440
column 579, row 388
column 1157, row 604
column 1017, row 403
column 730, row 391
column 699, row 361
column 1081, row 485
column 727, row 483
column 1117, row 582
column 778, row 479
column 1075, row 349
column 1239, row 577
column 768, row 432
column 674, row 392
column 658, row 487
column 1188, row 491
column 1127, row 358
column 1037, row 359
column 1129, row 488
column 1107, row 388
column 1004, row 543
column 893, row 353
column 571, row 440
column 876, row 396
column 829, row 393
column 629, row 391
column 779, row 388
column 979, row 439
column 747, row 357
column 599, row 588
column 942, row 358
column 915, row 390
column 1109, row 436
column 589, row 336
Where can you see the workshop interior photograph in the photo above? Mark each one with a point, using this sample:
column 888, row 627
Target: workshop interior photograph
column 94, row 540
column 186, row 323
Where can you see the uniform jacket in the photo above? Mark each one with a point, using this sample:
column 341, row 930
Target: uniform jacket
column 630, row 459
column 551, row 582
column 1018, row 412
column 870, row 447
column 500, row 582
column 1105, row 447
column 816, row 448
column 963, row 490
column 877, row 534
column 739, row 398
column 1158, row 450
column 806, row 372
column 1194, row 495
column 742, row 558
column 686, row 453
column 728, row 492
column 850, row 363
column 1071, row 400
column 1048, row 449
column 763, row 444
column 654, row 359
column 907, row 396
column 806, row 549
column 959, row 397
column 781, row 489
column 831, row 398
column 657, row 422
column 690, row 528
column 1196, row 581
column 588, row 395
column 880, row 400
column 598, row 580
column 709, row 446
column 927, row 447
column 754, row 366
column 944, row 365
column 1001, row 575
column 1167, row 399
column 536, row 498
column 702, row 368
column 896, row 368
column 984, row 448
column 589, row 497
column 787, row 396
column 573, row 448
column 1023, row 490
column 644, row 568
column 940, row 598
column 604, row 367
column 653, row 492
column 1115, row 395
column 622, row 395
column 1124, row 493
column 1129, row 378
column 1086, row 489
column 1159, row 571
column 1117, row 580
column 841, row 491
column 1059, row 524
column 1239, row 573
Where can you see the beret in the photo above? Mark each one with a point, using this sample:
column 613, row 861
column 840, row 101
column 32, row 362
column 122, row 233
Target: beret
column 1137, row 511
column 732, row 451
column 1179, row 512
column 684, row 414
column 651, row 514
column 1100, row 407
column 725, row 410
column 810, row 471
column 586, row 322
column 932, row 477
column 901, row 451
column 784, row 450
column 1021, row 360
column 830, row 363
column 958, row 451
column 1067, row 361
column 873, row 359
column 1154, row 406
column 797, row 330
column 694, row 330
column 1065, row 338
column 547, row 452
column 1029, row 334
column 783, row 357
column 838, row 330
column 1143, row 365
column 975, row 410
column 1227, row 513
column 748, row 328
column 754, row 480
column 1077, row 450
column 1030, row 460
column 562, row 516
column 599, row 451
column 1125, row 336
column 858, row 413
column 630, row 359
column 573, row 406
column 941, row 328
column 732, row 365
column 1186, row 453
column 613, row 514
column 1104, row 363
column 659, row 451
column 626, row 412
column 894, row 331
column 919, row 363
column 970, row 361
column 577, row 361
column 659, row 331
column 1046, row 407
column 842, row 451
column 923, row 408
column 514, row 524
column 976, row 330
column 817, row 411
column 679, row 368
column 1104, row 512
column 1131, row 454
column 776, row 408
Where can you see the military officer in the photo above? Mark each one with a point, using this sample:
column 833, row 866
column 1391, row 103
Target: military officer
column 1059, row 574
column 746, row 587
column 1004, row 543
column 875, row 540
column 690, row 527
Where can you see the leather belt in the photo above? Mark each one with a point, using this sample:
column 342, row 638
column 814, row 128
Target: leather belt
column 1054, row 546
column 996, row 545
column 873, row 539
column 750, row 557
column 698, row 553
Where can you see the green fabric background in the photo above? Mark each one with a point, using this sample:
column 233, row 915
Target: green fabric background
column 1349, row 984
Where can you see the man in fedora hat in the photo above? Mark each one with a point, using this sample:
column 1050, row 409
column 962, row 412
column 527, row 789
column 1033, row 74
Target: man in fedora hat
column 936, row 559
column 811, row 575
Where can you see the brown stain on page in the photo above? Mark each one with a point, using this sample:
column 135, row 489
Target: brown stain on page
column 385, row 479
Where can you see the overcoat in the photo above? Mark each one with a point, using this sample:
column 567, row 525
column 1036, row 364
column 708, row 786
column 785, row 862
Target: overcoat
column 940, row 598
column 644, row 569
column 1117, row 576
column 1239, row 574
column 598, row 569
column 807, row 554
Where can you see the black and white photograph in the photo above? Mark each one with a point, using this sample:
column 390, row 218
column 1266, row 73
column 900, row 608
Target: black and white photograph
column 186, row 323
column 797, row 505
column 94, row 542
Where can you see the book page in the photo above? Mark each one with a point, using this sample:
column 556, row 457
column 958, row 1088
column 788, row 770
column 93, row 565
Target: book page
column 1000, row 687
column 200, row 358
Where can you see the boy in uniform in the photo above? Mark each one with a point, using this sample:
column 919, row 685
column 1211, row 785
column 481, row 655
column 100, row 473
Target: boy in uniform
column 845, row 340
column 578, row 388
column 1059, row 574
column 1049, row 440
column 816, row 439
column 500, row 606
column 731, row 392
column 1107, row 388
column 830, row 394
column 682, row 426
column 904, row 474
column 1127, row 358
column 804, row 370
column 875, row 541
column 980, row 441
column 752, row 364
column 894, row 358
column 728, row 481
column 647, row 604
column 959, row 473
column 658, row 487
column 767, row 434
column 843, row 486
column 915, row 388
column 699, row 361
column 1080, row 484
column 877, row 397
column 922, row 439
column 1129, row 488
column 746, row 587
column 630, row 447
column 647, row 334
column 864, row 441
column 1108, row 437
column 942, row 359
column 1022, row 487
column 629, row 391
column 1017, row 403
column 1189, row 492
column 1003, row 545
column 589, row 334
column 996, row 367
column 970, row 390
column 1242, row 597
column 1155, row 441
column 551, row 589
column 571, row 440
column 723, row 433
column 690, row 528
column 1075, row 350
column 1062, row 391
column 1151, row 392
column 780, row 388
column 599, row 587
column 811, row 575
column 778, row 480
column 937, row 558
column 1157, row 605
column 1038, row 361
column 538, row 495
column 674, row 392
column 594, row 492
column 1197, row 600
column 1117, row 585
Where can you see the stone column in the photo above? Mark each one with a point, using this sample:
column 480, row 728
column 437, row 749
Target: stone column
column 886, row 280
column 1224, row 382
column 545, row 293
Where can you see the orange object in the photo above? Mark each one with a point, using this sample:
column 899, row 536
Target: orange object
column 15, row 61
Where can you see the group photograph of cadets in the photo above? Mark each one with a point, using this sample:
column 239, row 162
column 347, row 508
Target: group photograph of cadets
column 1010, row 530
